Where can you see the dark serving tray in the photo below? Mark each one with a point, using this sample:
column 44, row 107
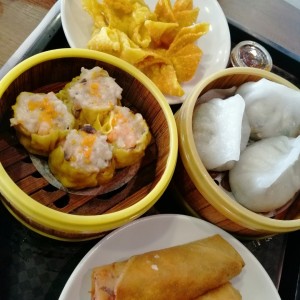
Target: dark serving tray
column 36, row 267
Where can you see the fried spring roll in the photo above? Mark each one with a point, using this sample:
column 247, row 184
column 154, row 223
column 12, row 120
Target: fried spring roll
column 225, row 291
column 182, row 272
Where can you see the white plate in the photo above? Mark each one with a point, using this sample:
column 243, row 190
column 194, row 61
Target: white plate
column 77, row 26
column 161, row 231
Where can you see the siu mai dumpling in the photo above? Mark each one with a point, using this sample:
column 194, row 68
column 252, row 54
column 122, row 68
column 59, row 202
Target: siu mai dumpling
column 273, row 109
column 129, row 135
column 83, row 160
column 91, row 95
column 220, row 132
column 267, row 175
column 41, row 121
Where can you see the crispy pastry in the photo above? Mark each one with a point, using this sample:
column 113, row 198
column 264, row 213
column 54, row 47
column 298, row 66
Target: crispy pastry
column 182, row 272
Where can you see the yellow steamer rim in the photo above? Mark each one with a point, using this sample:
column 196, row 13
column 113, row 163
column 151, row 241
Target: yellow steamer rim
column 200, row 176
column 16, row 200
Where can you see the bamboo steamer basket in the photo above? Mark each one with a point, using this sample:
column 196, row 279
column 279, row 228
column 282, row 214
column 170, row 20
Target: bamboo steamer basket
column 56, row 213
column 197, row 189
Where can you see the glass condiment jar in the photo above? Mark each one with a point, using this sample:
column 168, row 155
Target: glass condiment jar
column 251, row 54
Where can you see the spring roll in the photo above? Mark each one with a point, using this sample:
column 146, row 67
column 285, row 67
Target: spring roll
column 225, row 291
column 181, row 272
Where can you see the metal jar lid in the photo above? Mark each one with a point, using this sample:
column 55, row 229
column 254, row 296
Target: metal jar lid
column 251, row 54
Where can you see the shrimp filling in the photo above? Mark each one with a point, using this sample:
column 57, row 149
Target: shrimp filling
column 127, row 128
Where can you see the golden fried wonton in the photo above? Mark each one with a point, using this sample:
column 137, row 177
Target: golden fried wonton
column 180, row 5
column 186, row 17
column 186, row 61
column 161, row 43
column 164, row 76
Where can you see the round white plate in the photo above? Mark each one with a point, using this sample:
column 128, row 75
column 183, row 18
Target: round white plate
column 161, row 231
column 77, row 26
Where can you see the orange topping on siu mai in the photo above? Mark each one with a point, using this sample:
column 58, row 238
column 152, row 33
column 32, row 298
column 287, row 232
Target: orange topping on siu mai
column 88, row 140
column 46, row 108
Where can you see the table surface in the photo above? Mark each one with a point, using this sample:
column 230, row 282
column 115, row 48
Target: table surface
column 36, row 267
column 17, row 19
column 275, row 22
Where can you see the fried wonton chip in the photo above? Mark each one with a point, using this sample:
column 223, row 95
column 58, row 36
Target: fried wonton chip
column 181, row 5
column 131, row 52
column 124, row 6
column 188, row 35
column 164, row 76
column 94, row 8
column 117, row 43
column 164, row 11
column 186, row 17
column 186, row 62
column 129, row 17
column 106, row 40
column 153, row 57
column 161, row 33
